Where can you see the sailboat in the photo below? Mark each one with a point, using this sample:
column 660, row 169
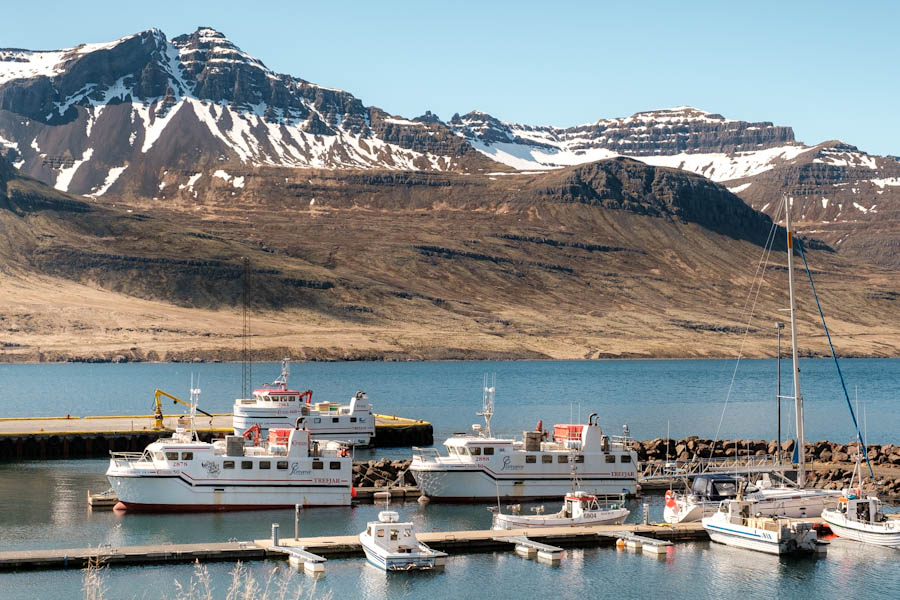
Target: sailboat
column 769, row 500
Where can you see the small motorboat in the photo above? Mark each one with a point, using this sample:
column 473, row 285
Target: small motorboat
column 733, row 525
column 392, row 546
column 579, row 508
column 861, row 519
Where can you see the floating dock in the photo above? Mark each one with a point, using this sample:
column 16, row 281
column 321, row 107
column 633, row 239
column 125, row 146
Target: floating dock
column 456, row 542
column 92, row 437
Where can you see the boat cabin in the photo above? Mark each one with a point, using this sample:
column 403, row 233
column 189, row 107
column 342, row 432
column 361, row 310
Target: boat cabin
column 578, row 503
column 717, row 487
column 861, row 510
column 391, row 535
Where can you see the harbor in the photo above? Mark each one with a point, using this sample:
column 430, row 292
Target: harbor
column 54, row 528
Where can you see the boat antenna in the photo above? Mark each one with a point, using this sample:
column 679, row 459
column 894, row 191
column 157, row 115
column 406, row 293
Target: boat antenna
column 834, row 356
column 246, row 363
column 487, row 402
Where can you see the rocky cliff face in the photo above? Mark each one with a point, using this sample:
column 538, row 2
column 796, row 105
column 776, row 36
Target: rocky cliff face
column 659, row 132
column 114, row 117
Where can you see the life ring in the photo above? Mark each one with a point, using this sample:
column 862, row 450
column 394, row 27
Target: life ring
column 670, row 499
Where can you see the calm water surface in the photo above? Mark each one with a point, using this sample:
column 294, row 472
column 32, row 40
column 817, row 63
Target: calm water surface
column 43, row 505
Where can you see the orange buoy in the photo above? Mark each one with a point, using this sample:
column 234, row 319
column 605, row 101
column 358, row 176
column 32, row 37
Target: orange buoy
column 670, row 499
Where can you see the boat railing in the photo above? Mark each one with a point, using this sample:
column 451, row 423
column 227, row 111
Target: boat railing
column 659, row 470
column 426, row 454
column 125, row 458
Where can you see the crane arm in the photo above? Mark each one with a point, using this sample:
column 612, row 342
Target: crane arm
column 158, row 393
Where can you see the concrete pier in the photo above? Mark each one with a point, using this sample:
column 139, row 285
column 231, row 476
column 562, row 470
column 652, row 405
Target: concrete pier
column 94, row 437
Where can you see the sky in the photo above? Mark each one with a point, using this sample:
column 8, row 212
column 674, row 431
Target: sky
column 830, row 70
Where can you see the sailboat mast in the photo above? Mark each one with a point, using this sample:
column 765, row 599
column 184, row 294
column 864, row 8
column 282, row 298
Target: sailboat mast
column 798, row 396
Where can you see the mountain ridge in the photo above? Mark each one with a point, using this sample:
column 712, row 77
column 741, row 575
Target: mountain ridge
column 153, row 120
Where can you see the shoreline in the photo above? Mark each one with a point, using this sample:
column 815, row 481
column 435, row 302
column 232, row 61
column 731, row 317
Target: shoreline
column 448, row 355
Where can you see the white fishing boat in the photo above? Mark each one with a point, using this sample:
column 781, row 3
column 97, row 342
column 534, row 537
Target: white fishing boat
column 579, row 508
column 274, row 405
column 783, row 499
column 480, row 466
column 181, row 473
column 859, row 518
column 734, row 525
column 392, row 546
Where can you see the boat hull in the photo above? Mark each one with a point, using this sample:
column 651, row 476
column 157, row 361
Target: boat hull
column 758, row 540
column 868, row 533
column 803, row 504
column 611, row 517
column 476, row 485
column 174, row 493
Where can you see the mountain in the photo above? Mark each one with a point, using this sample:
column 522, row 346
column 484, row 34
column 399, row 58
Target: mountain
column 841, row 195
column 110, row 118
column 150, row 118
column 609, row 259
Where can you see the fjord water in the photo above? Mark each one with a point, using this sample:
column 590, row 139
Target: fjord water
column 43, row 504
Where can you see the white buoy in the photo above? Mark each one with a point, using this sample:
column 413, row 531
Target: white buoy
column 423, row 499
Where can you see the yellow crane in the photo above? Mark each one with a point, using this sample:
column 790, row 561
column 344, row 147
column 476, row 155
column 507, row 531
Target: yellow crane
column 158, row 415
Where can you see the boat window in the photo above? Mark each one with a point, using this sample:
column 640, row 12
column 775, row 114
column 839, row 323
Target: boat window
column 725, row 488
column 451, row 450
column 265, row 464
column 159, row 456
column 562, row 458
column 246, row 464
column 334, row 419
column 463, row 451
column 610, row 458
column 334, row 465
column 317, row 420
column 281, row 464
column 579, row 458
column 475, row 450
column 489, row 450
column 381, row 533
column 362, row 419
column 292, row 398
column 318, row 465
column 530, row 458
column 625, row 458
column 353, row 419
column 187, row 456
column 172, row 455
column 228, row 464
column 395, row 533
column 546, row 458
column 407, row 533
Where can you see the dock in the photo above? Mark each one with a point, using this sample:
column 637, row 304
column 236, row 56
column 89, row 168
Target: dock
column 97, row 436
column 454, row 542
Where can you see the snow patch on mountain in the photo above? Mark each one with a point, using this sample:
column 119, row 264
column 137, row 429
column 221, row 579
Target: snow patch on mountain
column 111, row 178
column 64, row 179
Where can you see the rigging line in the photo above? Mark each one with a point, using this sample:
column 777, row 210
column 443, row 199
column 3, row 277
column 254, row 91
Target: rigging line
column 834, row 356
column 757, row 283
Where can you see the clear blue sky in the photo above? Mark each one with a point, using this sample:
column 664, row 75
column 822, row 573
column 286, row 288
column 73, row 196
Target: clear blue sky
column 831, row 70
